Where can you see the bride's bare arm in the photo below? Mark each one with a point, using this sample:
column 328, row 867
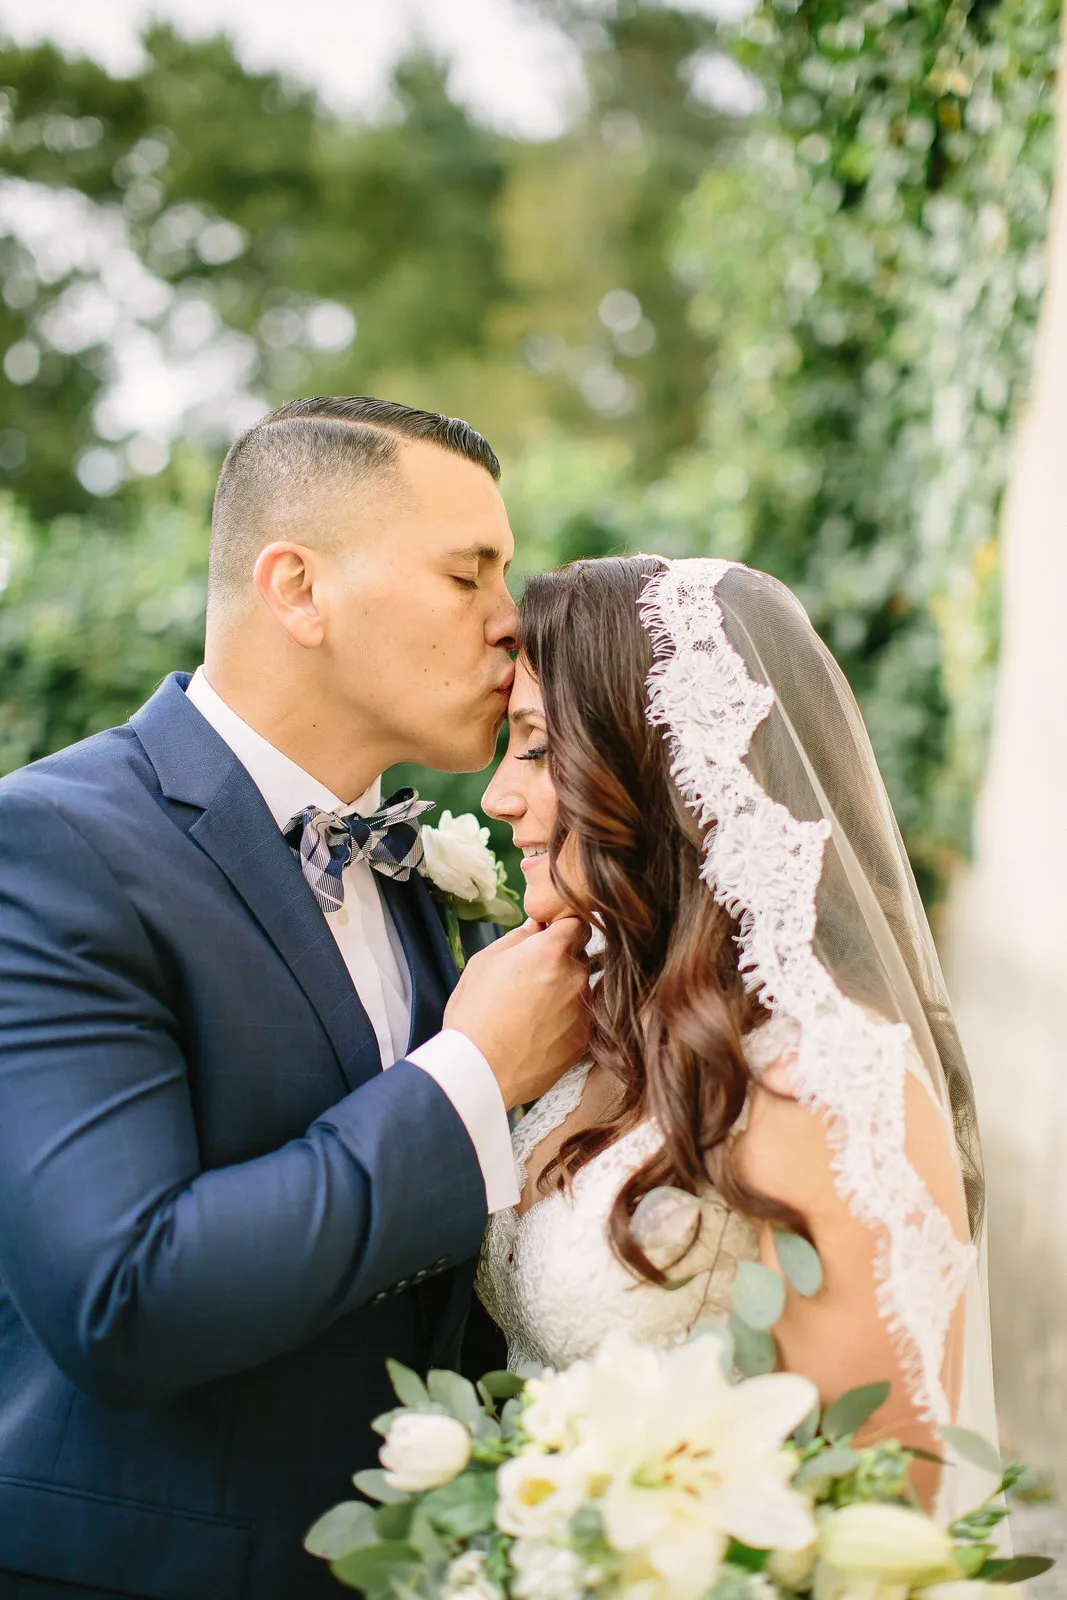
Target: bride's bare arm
column 838, row 1338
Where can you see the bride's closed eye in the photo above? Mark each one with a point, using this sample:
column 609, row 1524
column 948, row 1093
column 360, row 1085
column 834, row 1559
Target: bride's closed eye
column 536, row 753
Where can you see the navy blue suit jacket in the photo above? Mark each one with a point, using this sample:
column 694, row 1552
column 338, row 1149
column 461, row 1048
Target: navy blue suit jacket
column 218, row 1216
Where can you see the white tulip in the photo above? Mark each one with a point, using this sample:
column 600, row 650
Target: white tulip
column 458, row 858
column 888, row 1543
column 423, row 1451
column 829, row 1584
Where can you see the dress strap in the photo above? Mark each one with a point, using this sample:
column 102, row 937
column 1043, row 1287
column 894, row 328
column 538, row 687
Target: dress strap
column 546, row 1115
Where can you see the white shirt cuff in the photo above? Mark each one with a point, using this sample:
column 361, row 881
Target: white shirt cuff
column 458, row 1068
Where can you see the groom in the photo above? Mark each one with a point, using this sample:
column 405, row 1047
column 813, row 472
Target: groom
column 219, row 1215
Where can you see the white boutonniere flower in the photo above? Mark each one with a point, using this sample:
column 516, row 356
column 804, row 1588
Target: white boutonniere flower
column 466, row 878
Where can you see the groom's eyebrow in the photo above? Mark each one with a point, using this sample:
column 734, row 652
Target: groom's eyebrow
column 478, row 552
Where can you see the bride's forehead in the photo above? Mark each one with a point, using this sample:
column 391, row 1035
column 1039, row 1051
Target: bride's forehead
column 525, row 692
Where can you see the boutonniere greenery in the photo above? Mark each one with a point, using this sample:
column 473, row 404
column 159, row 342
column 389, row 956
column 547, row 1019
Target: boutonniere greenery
column 465, row 877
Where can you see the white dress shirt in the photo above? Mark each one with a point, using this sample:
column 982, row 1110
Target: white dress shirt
column 371, row 950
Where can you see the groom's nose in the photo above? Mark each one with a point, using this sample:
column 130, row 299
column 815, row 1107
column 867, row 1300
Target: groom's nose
column 503, row 629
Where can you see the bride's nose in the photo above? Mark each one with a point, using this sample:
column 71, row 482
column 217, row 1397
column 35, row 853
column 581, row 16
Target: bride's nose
column 502, row 800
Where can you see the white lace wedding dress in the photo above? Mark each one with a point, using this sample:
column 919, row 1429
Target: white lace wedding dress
column 548, row 1276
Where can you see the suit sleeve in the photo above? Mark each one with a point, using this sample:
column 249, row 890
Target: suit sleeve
column 142, row 1274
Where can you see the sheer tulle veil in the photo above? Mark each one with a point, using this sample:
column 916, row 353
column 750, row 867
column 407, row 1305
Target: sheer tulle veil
column 770, row 753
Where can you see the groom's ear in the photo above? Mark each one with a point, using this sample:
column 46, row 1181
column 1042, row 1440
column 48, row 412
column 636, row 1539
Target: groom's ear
column 284, row 576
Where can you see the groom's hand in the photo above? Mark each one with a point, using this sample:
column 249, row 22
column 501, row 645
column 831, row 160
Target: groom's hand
column 522, row 1001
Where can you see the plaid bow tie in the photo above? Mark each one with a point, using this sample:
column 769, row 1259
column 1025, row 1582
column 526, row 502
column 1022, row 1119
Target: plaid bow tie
column 325, row 843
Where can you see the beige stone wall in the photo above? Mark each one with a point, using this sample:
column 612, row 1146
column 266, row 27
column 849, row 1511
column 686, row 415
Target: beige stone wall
column 1005, row 943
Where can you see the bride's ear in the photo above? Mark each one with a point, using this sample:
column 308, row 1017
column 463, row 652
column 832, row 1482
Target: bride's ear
column 284, row 576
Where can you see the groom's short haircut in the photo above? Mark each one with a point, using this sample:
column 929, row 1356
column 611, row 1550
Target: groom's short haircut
column 308, row 454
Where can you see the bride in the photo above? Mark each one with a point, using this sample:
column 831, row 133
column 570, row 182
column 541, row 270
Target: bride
column 773, row 1047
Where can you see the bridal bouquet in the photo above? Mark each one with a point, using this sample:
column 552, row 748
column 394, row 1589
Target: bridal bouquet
column 647, row 1474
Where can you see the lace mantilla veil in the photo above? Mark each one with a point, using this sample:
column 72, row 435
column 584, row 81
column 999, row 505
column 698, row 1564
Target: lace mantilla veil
column 770, row 753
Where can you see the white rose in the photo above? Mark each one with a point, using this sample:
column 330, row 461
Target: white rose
column 423, row 1451
column 889, row 1544
column 539, row 1494
column 458, row 858
column 557, row 1406
column 466, row 1579
column 546, row 1572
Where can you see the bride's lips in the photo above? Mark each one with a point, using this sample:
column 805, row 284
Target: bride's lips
column 532, row 861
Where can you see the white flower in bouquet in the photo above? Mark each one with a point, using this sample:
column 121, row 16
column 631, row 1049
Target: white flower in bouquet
column 888, row 1544
column 467, row 1579
column 557, row 1407
column 458, row 858
column 424, row 1450
column 539, row 1494
column 546, row 1571
column 792, row 1569
column 696, row 1461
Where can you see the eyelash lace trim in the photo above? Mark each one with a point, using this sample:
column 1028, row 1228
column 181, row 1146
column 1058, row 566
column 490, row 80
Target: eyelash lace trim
column 764, row 865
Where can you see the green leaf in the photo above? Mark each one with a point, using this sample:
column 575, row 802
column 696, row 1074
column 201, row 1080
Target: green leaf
column 852, row 1409
column 394, row 1521
column 409, row 1387
column 759, row 1295
column 743, row 1555
column 457, row 1396
column 465, row 1506
column 371, row 1482
column 510, row 1417
column 502, row 1385
column 831, row 1464
column 383, row 1423
column 971, row 1558
column 808, row 1428
column 975, row 1449
column 926, row 1455
column 800, row 1262
column 1020, row 1569
column 424, row 1536
column 754, row 1350
column 343, row 1528
column 377, row 1567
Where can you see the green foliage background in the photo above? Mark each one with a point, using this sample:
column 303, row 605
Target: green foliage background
column 832, row 304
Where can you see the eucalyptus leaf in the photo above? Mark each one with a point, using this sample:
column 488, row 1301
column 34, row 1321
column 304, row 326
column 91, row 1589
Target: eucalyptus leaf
column 425, row 1537
column 502, row 1385
column 510, row 1417
column 800, row 1262
column 376, row 1567
column 394, row 1521
column 1020, row 1569
column 408, row 1386
column 371, row 1482
column 383, row 1423
column 754, row 1349
column 852, row 1409
column 975, row 1449
column 759, row 1295
column 465, row 1506
column 831, row 1464
column 457, row 1396
column 808, row 1428
column 343, row 1528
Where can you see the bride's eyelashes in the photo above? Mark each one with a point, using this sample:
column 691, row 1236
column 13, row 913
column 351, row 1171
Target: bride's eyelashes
column 538, row 753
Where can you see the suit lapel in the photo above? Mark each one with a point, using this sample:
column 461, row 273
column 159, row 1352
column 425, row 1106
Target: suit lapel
column 197, row 768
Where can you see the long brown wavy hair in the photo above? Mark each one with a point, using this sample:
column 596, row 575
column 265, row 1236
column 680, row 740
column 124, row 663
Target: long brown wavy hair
column 670, row 1011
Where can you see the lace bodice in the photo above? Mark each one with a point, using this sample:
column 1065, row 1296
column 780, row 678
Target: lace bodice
column 549, row 1277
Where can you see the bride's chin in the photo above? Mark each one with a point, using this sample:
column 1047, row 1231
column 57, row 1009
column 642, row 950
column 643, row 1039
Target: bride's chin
column 543, row 907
